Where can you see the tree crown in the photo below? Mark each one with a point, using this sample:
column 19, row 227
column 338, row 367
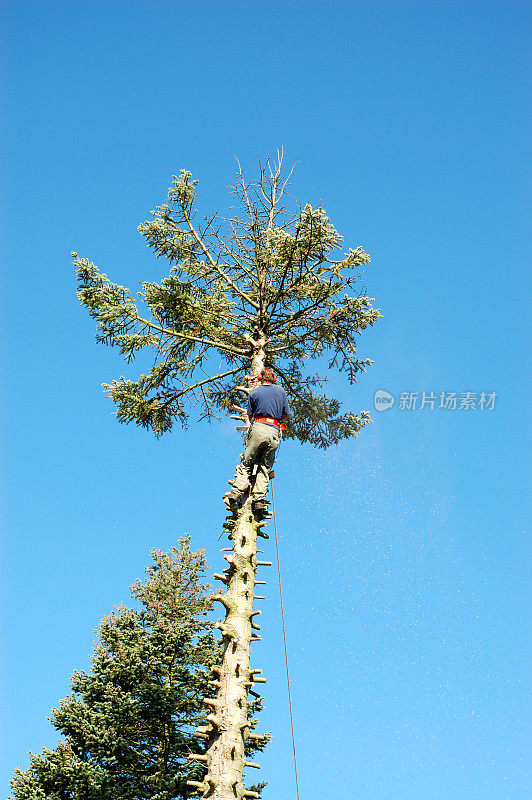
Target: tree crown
column 264, row 278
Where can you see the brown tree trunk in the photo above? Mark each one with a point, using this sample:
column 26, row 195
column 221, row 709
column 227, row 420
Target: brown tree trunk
column 228, row 721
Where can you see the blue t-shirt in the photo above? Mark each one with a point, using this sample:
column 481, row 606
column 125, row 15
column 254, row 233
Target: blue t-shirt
column 268, row 401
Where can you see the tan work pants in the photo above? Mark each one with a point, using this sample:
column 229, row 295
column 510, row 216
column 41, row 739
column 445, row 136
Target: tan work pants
column 262, row 442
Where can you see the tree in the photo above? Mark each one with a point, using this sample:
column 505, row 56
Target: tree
column 266, row 286
column 128, row 725
column 241, row 292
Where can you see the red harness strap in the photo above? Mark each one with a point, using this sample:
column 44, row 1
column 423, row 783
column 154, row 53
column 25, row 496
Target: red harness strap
column 271, row 421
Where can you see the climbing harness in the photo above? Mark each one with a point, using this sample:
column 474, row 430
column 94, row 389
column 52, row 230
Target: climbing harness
column 284, row 638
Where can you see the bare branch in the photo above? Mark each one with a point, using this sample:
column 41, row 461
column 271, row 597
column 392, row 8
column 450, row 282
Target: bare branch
column 179, row 335
column 191, row 388
column 214, row 264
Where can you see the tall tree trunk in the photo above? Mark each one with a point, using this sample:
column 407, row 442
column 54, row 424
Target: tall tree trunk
column 229, row 723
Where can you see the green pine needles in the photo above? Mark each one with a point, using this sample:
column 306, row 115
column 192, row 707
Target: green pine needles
column 266, row 274
column 129, row 723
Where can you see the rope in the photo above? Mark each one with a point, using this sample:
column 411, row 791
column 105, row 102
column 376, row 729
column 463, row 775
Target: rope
column 284, row 637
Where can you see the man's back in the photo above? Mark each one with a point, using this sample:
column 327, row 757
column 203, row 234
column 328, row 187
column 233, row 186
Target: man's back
column 268, row 401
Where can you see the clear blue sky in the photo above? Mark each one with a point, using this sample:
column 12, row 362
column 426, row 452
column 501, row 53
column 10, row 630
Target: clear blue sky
column 404, row 552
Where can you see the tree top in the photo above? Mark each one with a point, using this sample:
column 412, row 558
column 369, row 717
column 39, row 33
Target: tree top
column 266, row 284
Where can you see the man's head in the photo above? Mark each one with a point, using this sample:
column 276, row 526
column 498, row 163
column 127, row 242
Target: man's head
column 267, row 376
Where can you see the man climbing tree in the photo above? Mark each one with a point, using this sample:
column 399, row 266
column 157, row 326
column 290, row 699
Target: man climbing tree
column 267, row 412
column 266, row 287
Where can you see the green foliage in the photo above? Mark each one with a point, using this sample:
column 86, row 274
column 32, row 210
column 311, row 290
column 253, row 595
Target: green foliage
column 129, row 723
column 267, row 273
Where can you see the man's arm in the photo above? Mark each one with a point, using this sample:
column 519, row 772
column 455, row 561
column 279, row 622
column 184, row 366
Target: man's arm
column 249, row 408
column 287, row 413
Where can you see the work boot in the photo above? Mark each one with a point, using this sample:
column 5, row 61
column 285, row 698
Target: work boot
column 260, row 506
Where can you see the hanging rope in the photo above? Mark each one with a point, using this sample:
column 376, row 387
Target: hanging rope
column 284, row 637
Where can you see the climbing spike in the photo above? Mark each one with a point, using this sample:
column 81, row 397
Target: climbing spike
column 259, row 597
column 252, row 764
column 264, row 563
column 251, row 793
column 260, row 583
column 197, row 757
column 196, row 784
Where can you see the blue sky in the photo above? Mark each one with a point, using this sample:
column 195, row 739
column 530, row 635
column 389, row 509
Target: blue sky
column 404, row 552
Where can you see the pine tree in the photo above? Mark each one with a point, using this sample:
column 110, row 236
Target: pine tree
column 128, row 725
column 241, row 292
column 265, row 286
